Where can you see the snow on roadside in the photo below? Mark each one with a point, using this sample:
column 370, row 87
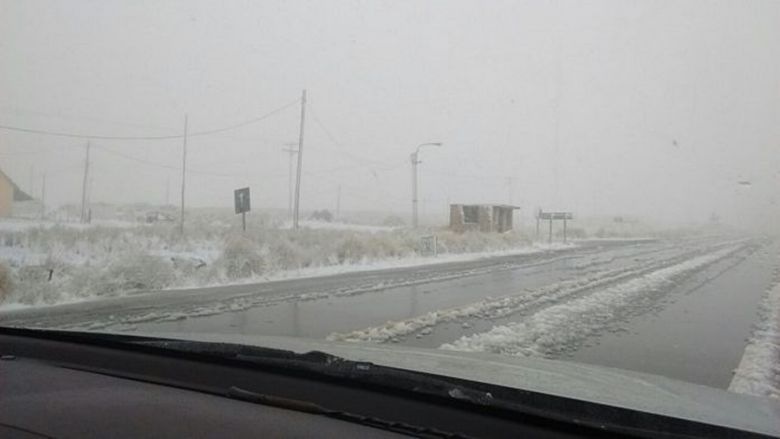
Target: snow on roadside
column 310, row 224
column 559, row 327
column 387, row 264
column 204, row 253
column 758, row 372
column 246, row 302
column 21, row 225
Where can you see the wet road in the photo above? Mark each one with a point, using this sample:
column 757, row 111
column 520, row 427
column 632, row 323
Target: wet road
column 319, row 317
column 699, row 331
column 688, row 309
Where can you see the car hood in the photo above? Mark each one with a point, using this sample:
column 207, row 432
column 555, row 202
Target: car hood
column 609, row 386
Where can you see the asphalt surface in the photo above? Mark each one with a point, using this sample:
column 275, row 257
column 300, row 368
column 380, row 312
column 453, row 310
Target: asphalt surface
column 694, row 330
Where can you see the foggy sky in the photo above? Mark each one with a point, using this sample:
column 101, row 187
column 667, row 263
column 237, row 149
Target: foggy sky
column 646, row 108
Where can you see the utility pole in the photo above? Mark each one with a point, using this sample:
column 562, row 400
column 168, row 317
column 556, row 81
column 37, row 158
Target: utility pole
column 90, row 185
column 414, row 160
column 296, row 211
column 510, row 190
column 43, row 197
column 84, row 186
column 32, row 180
column 338, row 203
column 291, row 153
column 167, row 191
column 183, row 175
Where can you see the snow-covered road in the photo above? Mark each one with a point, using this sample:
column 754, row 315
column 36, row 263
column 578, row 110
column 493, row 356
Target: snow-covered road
column 556, row 304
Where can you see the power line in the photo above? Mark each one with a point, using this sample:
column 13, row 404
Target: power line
column 161, row 165
column 329, row 135
column 169, row 137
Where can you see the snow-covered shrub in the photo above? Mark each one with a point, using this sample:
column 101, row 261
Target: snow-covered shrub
column 55, row 263
column 351, row 249
column 6, row 282
column 240, row 258
column 469, row 242
column 131, row 272
column 284, row 254
column 386, row 245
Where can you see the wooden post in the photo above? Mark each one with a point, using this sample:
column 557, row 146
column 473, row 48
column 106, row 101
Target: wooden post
column 549, row 237
column 183, row 175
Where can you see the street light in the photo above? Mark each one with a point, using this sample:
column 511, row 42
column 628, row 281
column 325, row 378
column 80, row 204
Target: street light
column 415, row 162
column 291, row 151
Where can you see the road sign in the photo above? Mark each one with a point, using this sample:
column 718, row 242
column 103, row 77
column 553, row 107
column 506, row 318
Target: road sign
column 430, row 245
column 241, row 199
column 551, row 216
column 556, row 215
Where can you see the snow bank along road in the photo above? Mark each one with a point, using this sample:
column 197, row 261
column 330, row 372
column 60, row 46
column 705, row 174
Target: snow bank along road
column 594, row 304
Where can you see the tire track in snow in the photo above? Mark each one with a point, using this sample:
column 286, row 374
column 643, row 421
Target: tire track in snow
column 491, row 308
column 562, row 327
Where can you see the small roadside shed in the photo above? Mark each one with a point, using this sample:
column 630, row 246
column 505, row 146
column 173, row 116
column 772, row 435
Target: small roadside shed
column 481, row 217
column 9, row 193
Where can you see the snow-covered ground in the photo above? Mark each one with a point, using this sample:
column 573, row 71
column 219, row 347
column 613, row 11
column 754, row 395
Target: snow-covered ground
column 19, row 224
column 759, row 371
column 336, row 225
column 53, row 263
column 412, row 260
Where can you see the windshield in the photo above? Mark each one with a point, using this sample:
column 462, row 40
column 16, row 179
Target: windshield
column 593, row 183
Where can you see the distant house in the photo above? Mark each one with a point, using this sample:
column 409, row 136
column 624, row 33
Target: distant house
column 481, row 217
column 10, row 193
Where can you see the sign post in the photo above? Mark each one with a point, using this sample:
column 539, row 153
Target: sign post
column 242, row 205
column 550, row 216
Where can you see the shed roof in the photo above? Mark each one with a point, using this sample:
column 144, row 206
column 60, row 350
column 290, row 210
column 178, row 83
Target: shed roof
column 19, row 195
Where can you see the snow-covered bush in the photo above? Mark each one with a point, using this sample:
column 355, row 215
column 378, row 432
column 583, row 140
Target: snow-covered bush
column 131, row 271
column 137, row 271
column 240, row 259
column 351, row 250
column 284, row 254
column 55, row 263
column 450, row 242
column 6, row 283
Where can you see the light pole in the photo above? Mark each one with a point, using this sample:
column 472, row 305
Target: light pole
column 415, row 161
column 291, row 151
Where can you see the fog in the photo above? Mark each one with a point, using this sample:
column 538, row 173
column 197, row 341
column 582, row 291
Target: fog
column 656, row 109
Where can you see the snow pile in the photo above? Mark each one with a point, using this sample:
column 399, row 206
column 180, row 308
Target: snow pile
column 491, row 308
column 558, row 328
column 758, row 372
